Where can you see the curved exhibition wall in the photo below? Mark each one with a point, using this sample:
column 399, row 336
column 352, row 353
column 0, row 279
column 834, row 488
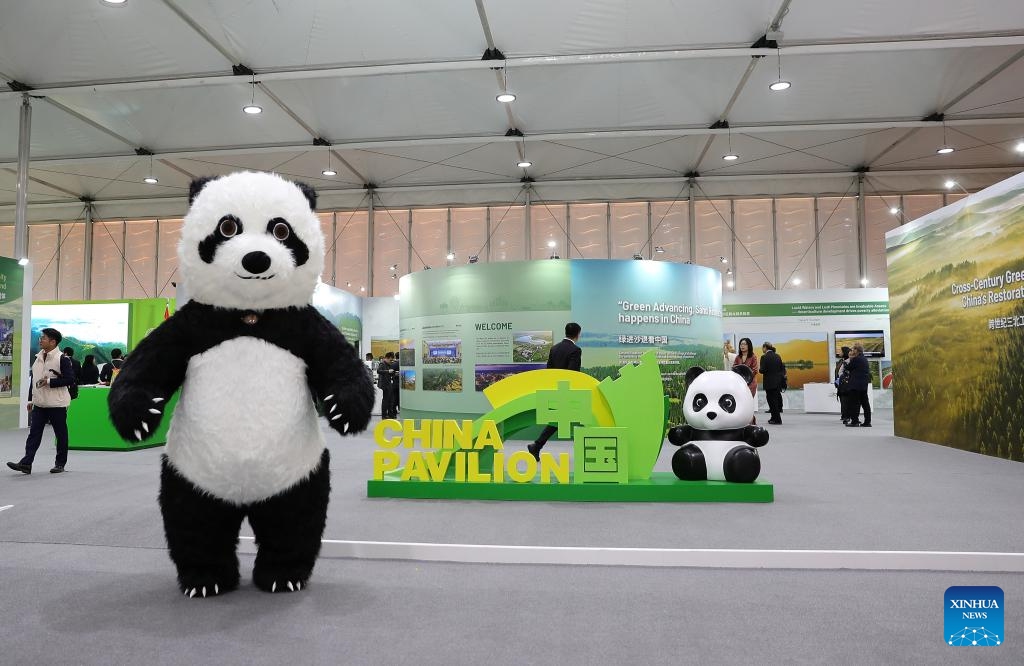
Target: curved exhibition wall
column 463, row 328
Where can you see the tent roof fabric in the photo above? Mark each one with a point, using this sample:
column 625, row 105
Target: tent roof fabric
column 614, row 100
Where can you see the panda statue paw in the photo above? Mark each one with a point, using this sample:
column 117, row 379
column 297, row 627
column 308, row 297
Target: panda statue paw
column 136, row 413
column 346, row 413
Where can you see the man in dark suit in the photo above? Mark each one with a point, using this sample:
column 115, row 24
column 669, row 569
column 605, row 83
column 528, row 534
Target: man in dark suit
column 566, row 355
column 773, row 370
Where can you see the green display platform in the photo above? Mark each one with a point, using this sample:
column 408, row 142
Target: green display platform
column 89, row 426
column 661, row 487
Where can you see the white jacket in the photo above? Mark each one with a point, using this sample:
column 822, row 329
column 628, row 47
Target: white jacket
column 47, row 396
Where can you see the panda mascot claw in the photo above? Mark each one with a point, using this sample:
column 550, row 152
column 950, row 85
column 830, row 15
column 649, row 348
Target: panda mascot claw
column 251, row 355
column 717, row 443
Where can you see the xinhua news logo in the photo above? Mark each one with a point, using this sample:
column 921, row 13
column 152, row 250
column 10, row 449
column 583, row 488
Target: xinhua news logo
column 974, row 616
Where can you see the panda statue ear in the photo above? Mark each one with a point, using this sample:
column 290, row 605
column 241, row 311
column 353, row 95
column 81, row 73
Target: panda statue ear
column 693, row 373
column 744, row 371
column 197, row 186
column 309, row 193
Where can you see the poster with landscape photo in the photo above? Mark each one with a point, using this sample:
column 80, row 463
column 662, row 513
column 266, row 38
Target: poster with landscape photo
column 7, row 339
column 956, row 295
column 805, row 355
column 531, row 346
column 88, row 328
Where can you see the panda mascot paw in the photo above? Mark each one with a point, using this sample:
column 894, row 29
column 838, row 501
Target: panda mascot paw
column 717, row 442
column 252, row 357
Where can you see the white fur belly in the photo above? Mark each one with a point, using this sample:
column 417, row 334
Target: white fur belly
column 245, row 427
column 714, row 451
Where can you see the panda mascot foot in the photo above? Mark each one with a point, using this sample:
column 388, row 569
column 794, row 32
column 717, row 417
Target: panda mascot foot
column 688, row 464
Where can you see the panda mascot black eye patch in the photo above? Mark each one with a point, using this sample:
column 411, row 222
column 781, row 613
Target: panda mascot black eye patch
column 229, row 226
column 282, row 232
column 252, row 358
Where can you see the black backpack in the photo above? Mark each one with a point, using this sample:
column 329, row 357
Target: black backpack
column 73, row 388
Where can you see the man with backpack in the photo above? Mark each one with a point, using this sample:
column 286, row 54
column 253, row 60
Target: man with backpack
column 48, row 400
column 107, row 373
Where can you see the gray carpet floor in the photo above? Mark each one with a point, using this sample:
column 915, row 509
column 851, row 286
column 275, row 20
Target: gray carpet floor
column 86, row 578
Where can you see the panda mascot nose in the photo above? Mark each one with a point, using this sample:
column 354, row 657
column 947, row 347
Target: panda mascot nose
column 256, row 262
column 712, row 415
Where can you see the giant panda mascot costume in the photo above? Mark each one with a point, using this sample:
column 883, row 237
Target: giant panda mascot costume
column 717, row 443
column 251, row 355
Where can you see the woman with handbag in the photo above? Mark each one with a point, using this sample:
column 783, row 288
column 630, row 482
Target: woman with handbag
column 748, row 358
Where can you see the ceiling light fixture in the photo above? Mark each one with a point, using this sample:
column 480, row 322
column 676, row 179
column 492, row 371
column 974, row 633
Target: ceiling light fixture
column 796, row 280
column 730, row 156
column 393, row 267
column 505, row 97
column 730, row 284
column 659, row 249
column 638, row 257
column 894, row 211
column 23, row 261
column 524, row 164
column 114, row 3
column 450, row 256
column 552, row 243
column 950, row 184
column 473, row 258
column 554, row 256
column 150, row 179
column 252, row 108
column 362, row 288
column 780, row 84
column 1019, row 147
column 864, row 282
column 723, row 260
column 945, row 148
column 329, row 171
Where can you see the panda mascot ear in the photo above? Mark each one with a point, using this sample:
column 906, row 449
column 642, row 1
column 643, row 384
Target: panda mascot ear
column 309, row 193
column 693, row 373
column 197, row 186
column 745, row 372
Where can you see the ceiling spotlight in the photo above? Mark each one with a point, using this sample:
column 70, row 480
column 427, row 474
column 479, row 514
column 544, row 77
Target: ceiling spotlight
column 506, row 97
column 393, row 267
column 780, row 83
column 950, row 184
column 730, row 284
column 659, row 249
column 944, row 150
column 727, row 272
column 152, row 180
column 329, row 172
column 252, row 108
column 473, row 258
column 114, row 3
column 730, row 157
column 552, row 243
column 524, row 164
column 796, row 280
column 1019, row 147
column 723, row 260
column 638, row 257
column 23, row 261
column 348, row 284
column 362, row 288
column 450, row 256
column 864, row 282
column 894, row 211
column 426, row 268
column 394, row 276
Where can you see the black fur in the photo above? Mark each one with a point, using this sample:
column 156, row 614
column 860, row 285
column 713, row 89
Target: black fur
column 744, row 371
column 197, row 186
column 202, row 532
column 693, row 373
column 307, row 192
column 208, row 246
column 741, row 465
column 299, row 250
column 689, row 465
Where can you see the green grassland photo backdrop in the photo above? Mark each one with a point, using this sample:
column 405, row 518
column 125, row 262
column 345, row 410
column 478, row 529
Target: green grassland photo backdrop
column 960, row 382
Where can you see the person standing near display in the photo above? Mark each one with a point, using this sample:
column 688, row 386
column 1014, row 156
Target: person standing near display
column 70, row 353
column 774, row 372
column 385, row 380
column 857, row 393
column 748, row 358
column 566, row 355
column 48, row 399
column 90, row 373
column 728, row 355
column 841, row 385
column 116, row 361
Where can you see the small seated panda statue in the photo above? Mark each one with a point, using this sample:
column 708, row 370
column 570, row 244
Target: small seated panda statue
column 251, row 356
column 717, row 443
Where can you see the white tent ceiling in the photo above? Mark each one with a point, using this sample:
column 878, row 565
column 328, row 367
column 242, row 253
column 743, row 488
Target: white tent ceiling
column 615, row 99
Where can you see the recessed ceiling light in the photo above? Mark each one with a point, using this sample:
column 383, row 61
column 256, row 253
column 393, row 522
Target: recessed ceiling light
column 252, row 109
column 894, row 210
column 944, row 150
column 524, row 164
column 730, row 157
column 506, row 97
column 780, row 85
column 329, row 172
column 151, row 180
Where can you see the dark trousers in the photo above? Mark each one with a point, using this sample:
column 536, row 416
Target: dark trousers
column 389, row 402
column 774, row 399
column 855, row 401
column 38, row 418
column 545, row 435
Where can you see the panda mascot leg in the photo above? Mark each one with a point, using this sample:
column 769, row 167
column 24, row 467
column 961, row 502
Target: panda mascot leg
column 688, row 463
column 288, row 529
column 202, row 535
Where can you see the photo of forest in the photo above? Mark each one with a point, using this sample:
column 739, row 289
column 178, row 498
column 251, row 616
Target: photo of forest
column 408, row 380
column 446, row 379
column 406, row 352
column 956, row 387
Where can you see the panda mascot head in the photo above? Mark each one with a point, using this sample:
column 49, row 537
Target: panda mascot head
column 718, row 399
column 251, row 241
column 717, row 441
